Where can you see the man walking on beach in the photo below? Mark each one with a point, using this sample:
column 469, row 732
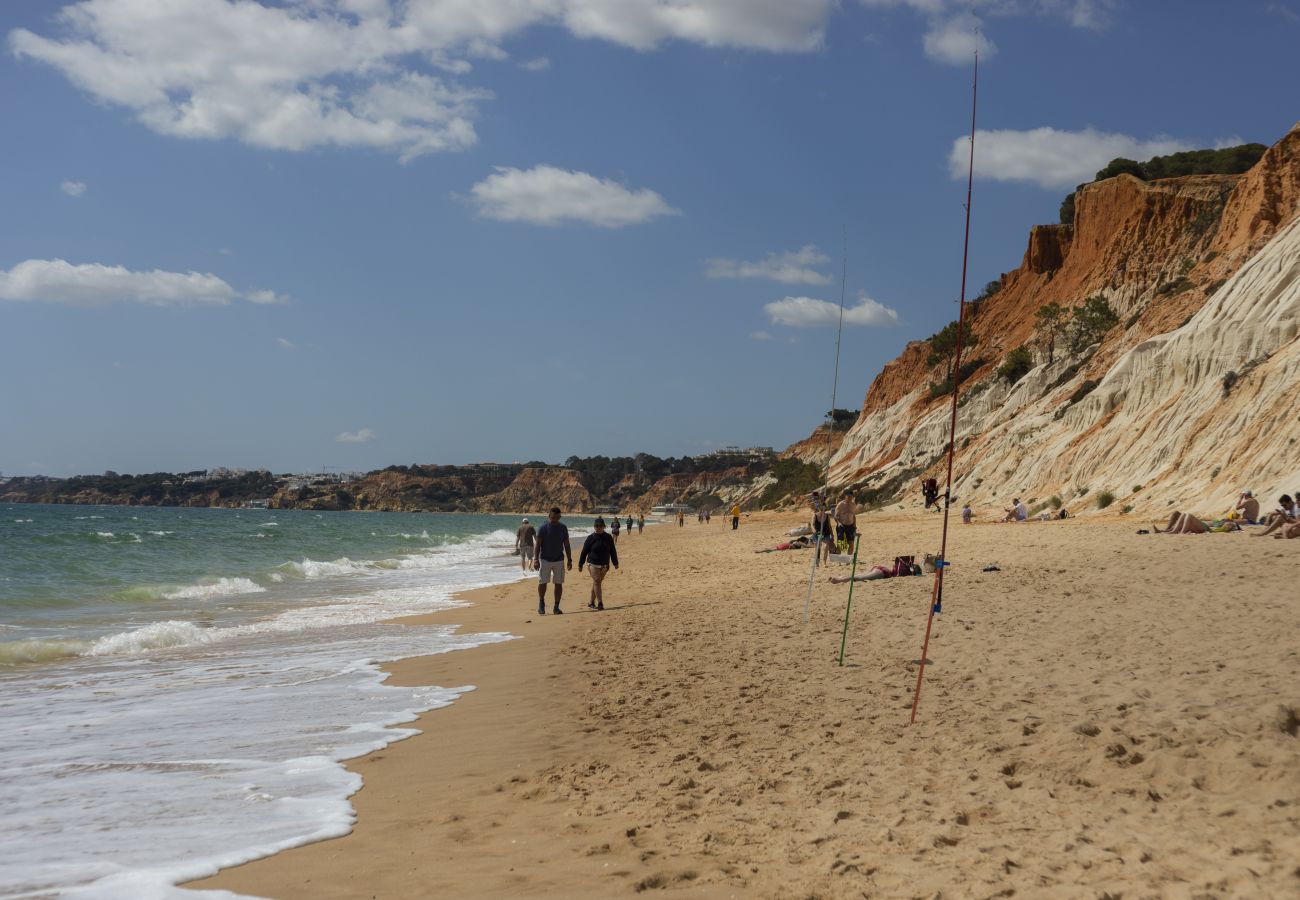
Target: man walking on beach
column 846, row 519
column 525, row 538
column 553, row 551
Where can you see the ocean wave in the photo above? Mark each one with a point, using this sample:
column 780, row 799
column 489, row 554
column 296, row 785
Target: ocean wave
column 162, row 533
column 220, row 587
column 106, row 535
column 13, row 653
column 155, row 636
column 20, row 521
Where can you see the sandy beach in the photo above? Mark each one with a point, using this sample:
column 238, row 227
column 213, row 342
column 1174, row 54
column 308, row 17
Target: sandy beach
column 1107, row 715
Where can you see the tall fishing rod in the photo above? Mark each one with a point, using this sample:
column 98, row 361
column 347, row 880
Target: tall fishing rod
column 830, row 428
column 936, row 597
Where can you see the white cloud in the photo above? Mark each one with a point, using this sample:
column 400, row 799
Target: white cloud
column 807, row 312
column 1286, row 12
column 760, row 336
column 540, row 64
column 1051, row 158
column 348, row 73
column 545, row 195
column 93, row 284
column 791, row 267
column 285, row 343
column 73, row 188
column 955, row 40
column 361, row 436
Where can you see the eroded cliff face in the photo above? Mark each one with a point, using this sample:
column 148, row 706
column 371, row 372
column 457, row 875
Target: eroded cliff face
column 540, row 489
column 1192, row 397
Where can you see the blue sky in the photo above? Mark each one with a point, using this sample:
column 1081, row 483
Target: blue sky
column 351, row 233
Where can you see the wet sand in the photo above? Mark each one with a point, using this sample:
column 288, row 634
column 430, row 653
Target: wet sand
column 1109, row 713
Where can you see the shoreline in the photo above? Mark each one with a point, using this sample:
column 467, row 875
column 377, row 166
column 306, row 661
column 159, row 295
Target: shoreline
column 1098, row 718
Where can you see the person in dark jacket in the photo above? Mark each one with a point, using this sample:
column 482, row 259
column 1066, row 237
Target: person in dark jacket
column 598, row 553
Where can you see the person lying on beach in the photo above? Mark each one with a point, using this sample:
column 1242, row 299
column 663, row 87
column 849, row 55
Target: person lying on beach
column 1285, row 514
column 874, row 574
column 1248, row 506
column 1186, row 523
column 598, row 553
column 801, row 543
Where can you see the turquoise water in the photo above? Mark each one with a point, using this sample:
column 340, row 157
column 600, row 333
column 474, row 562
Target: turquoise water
column 78, row 573
column 179, row 686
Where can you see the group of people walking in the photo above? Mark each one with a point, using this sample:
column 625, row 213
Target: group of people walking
column 547, row 551
column 833, row 526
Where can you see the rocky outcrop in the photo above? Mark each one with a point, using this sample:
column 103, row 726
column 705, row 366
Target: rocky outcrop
column 1188, row 399
column 539, row 489
column 682, row 487
column 817, row 448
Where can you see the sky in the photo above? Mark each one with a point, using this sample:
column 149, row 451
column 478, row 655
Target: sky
column 343, row 234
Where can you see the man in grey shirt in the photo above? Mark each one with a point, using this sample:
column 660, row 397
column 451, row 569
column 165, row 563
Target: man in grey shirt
column 552, row 552
column 525, row 538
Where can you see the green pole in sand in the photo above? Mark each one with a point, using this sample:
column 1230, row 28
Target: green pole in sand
column 857, row 543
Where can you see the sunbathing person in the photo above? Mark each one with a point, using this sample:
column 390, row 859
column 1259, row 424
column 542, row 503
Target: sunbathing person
column 1186, row 523
column 1183, row 523
column 1285, row 514
column 801, row 543
column 874, row 574
column 1289, row 531
column 1248, row 506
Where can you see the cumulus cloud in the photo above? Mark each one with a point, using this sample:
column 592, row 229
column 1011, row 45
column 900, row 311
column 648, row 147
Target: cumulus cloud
column 791, row 267
column 285, row 343
column 360, row 436
column 92, row 284
column 348, row 73
column 955, row 40
column 73, row 188
column 545, row 195
column 807, row 312
column 1052, row 158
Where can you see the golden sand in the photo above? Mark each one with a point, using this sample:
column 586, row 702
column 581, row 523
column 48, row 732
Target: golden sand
column 1108, row 714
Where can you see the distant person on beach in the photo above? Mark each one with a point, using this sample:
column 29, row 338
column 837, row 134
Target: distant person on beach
column 708, row 516
column 735, row 516
column 598, row 553
column 821, row 528
column 617, row 527
column 640, row 524
column 552, row 551
column 681, row 517
column 930, row 491
column 525, row 538
column 846, row 519
column 1018, row 512
column 966, row 514
column 1248, row 506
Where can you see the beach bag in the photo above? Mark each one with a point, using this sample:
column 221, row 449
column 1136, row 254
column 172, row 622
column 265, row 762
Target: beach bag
column 903, row 565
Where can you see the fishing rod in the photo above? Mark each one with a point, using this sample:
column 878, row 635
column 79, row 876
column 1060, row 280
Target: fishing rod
column 936, row 597
column 830, row 431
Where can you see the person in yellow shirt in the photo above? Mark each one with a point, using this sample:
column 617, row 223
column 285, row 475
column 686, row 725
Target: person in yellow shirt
column 735, row 516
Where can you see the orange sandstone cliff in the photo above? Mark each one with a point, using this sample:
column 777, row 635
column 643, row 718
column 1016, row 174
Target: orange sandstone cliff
column 1191, row 397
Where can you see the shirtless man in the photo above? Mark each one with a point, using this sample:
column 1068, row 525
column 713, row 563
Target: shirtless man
column 846, row 515
column 1249, row 507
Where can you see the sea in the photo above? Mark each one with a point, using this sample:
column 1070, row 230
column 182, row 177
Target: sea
column 179, row 687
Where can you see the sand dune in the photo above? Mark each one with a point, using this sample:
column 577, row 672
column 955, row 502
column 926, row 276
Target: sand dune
column 1108, row 714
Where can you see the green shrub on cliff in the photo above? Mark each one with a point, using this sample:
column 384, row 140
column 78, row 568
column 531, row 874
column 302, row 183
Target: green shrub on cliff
column 1221, row 161
column 1016, row 366
column 944, row 341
